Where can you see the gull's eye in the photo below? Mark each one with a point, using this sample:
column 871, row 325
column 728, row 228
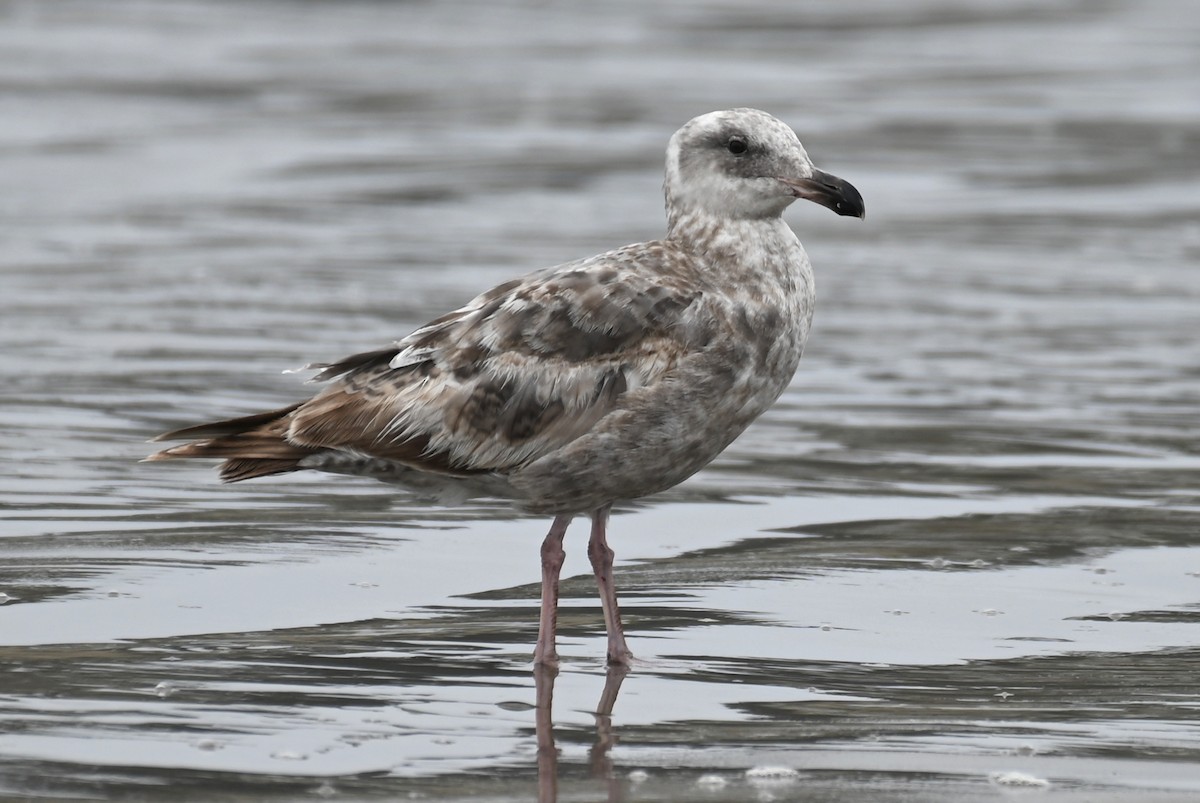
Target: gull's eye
column 737, row 146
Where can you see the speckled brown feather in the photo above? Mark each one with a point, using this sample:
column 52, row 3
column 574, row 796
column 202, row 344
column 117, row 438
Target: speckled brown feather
column 513, row 375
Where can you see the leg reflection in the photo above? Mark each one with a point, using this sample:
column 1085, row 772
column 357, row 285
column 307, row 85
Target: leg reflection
column 544, row 676
column 598, row 756
column 547, row 754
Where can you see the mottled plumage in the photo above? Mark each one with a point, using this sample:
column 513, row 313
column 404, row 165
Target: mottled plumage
column 593, row 382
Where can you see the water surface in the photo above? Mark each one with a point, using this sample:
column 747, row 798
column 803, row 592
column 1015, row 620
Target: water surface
column 958, row 561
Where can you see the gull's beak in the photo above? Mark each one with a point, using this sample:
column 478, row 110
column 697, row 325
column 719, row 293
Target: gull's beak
column 829, row 191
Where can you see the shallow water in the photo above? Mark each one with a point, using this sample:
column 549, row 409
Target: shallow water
column 958, row 561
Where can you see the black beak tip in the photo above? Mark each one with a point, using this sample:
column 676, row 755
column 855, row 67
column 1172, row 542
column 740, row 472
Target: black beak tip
column 850, row 202
column 834, row 193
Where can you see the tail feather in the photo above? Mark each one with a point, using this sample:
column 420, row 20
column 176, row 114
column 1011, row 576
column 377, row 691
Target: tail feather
column 230, row 426
column 252, row 446
column 249, row 468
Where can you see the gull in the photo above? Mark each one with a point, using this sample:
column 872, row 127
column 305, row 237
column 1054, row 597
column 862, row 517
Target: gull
column 591, row 383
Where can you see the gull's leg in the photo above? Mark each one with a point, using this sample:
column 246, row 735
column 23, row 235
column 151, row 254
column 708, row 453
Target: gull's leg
column 552, row 560
column 602, row 564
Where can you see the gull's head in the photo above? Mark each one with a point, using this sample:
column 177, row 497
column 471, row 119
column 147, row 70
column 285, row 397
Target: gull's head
column 743, row 164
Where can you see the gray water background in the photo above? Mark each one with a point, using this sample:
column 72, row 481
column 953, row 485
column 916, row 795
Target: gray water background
column 963, row 545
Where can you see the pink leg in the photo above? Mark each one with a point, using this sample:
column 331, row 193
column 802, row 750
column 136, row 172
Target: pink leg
column 552, row 560
column 602, row 564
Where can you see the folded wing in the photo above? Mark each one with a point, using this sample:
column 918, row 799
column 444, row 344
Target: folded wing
column 515, row 374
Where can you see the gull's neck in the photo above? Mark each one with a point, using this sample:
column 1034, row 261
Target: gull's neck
column 745, row 240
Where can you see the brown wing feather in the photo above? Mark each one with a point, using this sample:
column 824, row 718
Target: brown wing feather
column 517, row 373
column 354, row 362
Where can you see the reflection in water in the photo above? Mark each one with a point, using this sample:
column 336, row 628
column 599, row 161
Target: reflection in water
column 599, row 760
column 599, row 755
column 547, row 753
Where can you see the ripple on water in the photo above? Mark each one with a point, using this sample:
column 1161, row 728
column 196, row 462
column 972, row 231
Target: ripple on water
column 959, row 556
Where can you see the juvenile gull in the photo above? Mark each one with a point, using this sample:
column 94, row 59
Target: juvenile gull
column 574, row 387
